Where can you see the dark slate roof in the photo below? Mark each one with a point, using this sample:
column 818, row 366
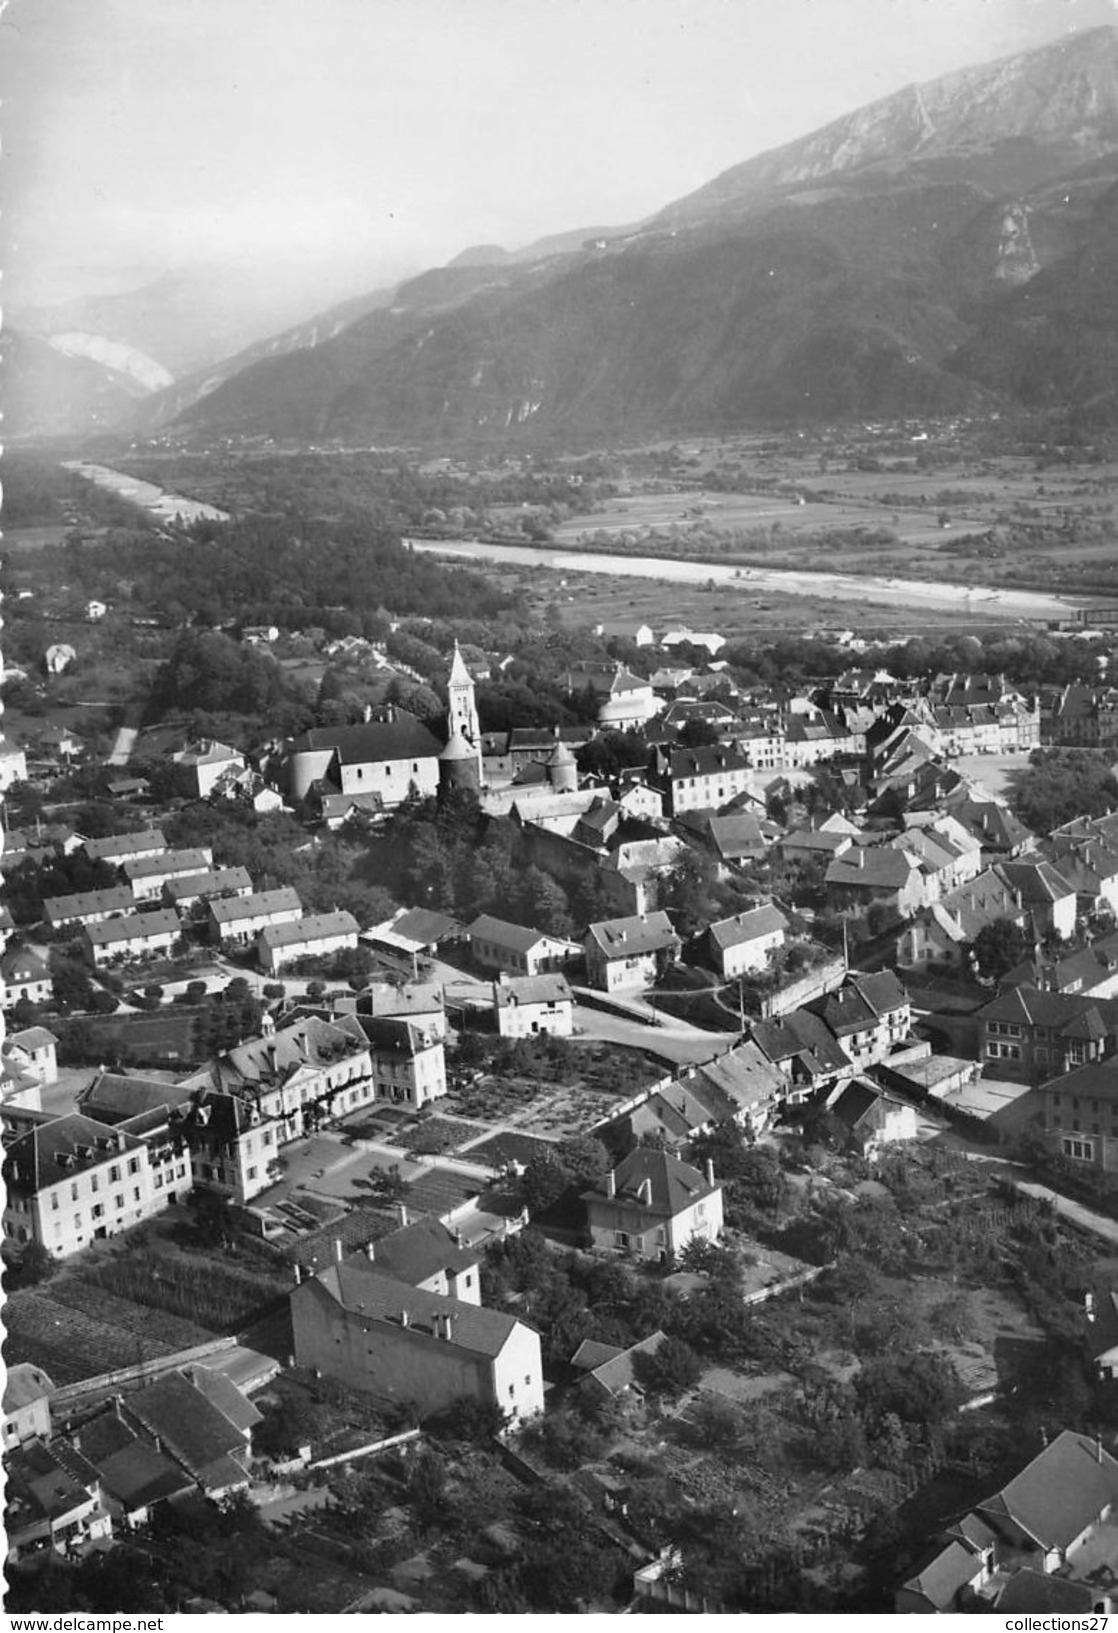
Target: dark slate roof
column 743, row 1075
column 114, row 845
column 1060, row 1492
column 1098, row 1080
column 420, row 1250
column 532, row 989
column 642, row 933
column 193, row 886
column 181, row 862
column 114, row 1097
column 404, row 738
column 514, row 936
column 1027, row 1006
column 61, row 1149
column 116, row 899
column 746, row 927
column 592, row 1353
column 1035, row 880
column 424, row 926
column 313, row 927
column 163, row 921
column 674, row 1185
column 948, row 1571
column 195, row 1431
column 223, row 1393
column 1029, row 1590
column 229, row 910
column 617, row 1373
column 361, row 1287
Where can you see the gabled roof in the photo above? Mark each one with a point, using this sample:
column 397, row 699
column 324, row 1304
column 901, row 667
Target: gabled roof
column 114, row 1097
column 516, row 937
column 312, row 927
column 592, row 1353
column 877, row 867
column 1058, row 1494
column 116, row 899
column 1025, row 1005
column 365, row 1290
column 420, row 1250
column 261, row 903
column 211, row 883
column 195, row 1431
column 673, row 1186
column 743, row 928
column 163, row 921
column 743, row 1075
column 627, row 937
column 403, row 738
column 421, row 926
column 616, row 1374
column 532, row 989
column 114, row 845
column 1036, row 881
column 945, row 1574
column 180, row 862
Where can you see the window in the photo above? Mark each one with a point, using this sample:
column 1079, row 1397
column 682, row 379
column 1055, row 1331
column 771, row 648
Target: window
column 74, row 1192
column 54, row 1201
column 98, row 1211
column 133, row 1165
column 118, row 1202
column 1081, row 1150
column 135, row 1193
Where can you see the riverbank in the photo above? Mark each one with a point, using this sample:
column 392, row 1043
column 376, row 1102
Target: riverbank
column 167, row 507
column 933, row 595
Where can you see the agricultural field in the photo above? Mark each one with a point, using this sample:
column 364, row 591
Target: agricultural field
column 135, row 1298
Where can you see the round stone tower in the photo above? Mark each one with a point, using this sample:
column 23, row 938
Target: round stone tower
column 562, row 770
column 459, row 766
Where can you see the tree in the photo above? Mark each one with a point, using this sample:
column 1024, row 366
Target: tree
column 670, row 1370
column 999, row 947
column 285, row 1428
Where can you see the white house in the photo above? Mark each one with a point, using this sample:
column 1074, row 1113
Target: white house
column 745, row 941
column 529, row 1005
column 315, row 936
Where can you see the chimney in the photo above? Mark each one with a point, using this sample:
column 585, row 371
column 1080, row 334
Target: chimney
column 370, row 1252
column 1098, row 1448
column 448, row 1327
column 644, row 1193
column 1044, row 1437
column 339, row 1251
column 1089, row 1305
column 298, row 1274
column 403, row 1212
column 611, row 1184
column 709, row 1165
column 861, row 857
column 405, row 1318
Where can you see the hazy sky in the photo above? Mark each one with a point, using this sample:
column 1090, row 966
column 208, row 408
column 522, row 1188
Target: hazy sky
column 358, row 134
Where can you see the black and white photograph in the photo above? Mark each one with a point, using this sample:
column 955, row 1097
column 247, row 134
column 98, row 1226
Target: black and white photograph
column 559, row 809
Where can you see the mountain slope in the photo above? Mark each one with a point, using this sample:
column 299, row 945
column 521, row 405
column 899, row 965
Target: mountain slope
column 948, row 249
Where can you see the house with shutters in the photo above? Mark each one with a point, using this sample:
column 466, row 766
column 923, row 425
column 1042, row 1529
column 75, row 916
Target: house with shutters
column 651, row 1205
column 698, row 779
column 869, row 1015
column 71, row 1181
column 407, row 1061
column 631, row 953
column 529, row 1006
column 744, row 943
column 885, row 875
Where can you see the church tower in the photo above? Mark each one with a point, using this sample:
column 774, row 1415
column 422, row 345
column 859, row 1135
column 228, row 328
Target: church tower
column 462, row 707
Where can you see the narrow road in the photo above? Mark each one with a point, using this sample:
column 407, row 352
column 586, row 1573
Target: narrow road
column 122, row 748
column 680, row 1045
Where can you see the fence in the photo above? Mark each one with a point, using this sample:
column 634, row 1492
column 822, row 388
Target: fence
column 140, row 1372
column 405, row 1438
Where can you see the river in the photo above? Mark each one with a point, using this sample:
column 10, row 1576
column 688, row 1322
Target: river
column 927, row 594
column 169, row 507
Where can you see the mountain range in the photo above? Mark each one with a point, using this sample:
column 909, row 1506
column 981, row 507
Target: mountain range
column 952, row 248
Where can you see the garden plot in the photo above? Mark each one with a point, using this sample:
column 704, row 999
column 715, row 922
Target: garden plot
column 75, row 1333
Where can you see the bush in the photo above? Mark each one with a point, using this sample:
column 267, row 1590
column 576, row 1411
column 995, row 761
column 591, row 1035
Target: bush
column 103, row 1003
